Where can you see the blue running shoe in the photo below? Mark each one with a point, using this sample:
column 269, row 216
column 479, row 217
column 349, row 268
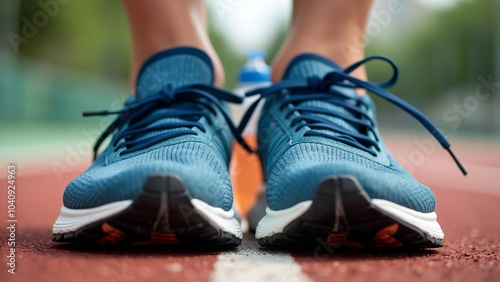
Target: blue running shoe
column 163, row 179
column 330, row 179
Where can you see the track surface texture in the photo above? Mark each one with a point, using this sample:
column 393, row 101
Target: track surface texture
column 468, row 210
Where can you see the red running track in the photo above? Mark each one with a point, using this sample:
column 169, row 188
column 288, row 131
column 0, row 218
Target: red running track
column 468, row 210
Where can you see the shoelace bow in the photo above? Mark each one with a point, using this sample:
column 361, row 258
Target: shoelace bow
column 186, row 103
column 316, row 88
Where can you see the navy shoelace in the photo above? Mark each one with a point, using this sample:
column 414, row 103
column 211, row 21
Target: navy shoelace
column 187, row 104
column 315, row 88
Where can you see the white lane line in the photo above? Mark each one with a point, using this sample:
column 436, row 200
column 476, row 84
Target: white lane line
column 249, row 263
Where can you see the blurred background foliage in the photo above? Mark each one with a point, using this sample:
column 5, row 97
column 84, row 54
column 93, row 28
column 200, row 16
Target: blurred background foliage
column 80, row 60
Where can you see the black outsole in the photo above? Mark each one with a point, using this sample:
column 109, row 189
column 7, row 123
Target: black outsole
column 342, row 214
column 161, row 215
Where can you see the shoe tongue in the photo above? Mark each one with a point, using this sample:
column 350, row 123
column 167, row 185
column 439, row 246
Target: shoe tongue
column 178, row 67
column 309, row 65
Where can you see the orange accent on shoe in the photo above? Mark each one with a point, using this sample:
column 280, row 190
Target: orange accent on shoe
column 385, row 238
column 113, row 235
column 159, row 239
column 336, row 238
column 341, row 239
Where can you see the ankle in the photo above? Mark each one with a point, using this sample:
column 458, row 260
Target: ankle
column 162, row 25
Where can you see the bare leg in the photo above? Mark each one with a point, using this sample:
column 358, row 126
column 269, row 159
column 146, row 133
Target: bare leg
column 331, row 28
column 158, row 25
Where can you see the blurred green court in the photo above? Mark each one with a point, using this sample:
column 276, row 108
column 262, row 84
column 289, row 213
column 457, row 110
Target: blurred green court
column 78, row 61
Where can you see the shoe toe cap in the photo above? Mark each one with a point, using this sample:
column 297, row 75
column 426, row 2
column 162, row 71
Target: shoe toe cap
column 298, row 182
column 102, row 185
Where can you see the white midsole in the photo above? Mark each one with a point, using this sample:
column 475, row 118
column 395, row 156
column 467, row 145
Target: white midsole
column 70, row 220
column 275, row 221
column 220, row 218
column 427, row 222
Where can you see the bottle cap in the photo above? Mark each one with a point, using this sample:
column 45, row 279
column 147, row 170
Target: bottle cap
column 255, row 69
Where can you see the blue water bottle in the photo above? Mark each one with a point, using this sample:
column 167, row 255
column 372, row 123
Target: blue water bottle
column 254, row 74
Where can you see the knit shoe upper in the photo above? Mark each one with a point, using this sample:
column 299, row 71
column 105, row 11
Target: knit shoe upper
column 313, row 125
column 176, row 124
